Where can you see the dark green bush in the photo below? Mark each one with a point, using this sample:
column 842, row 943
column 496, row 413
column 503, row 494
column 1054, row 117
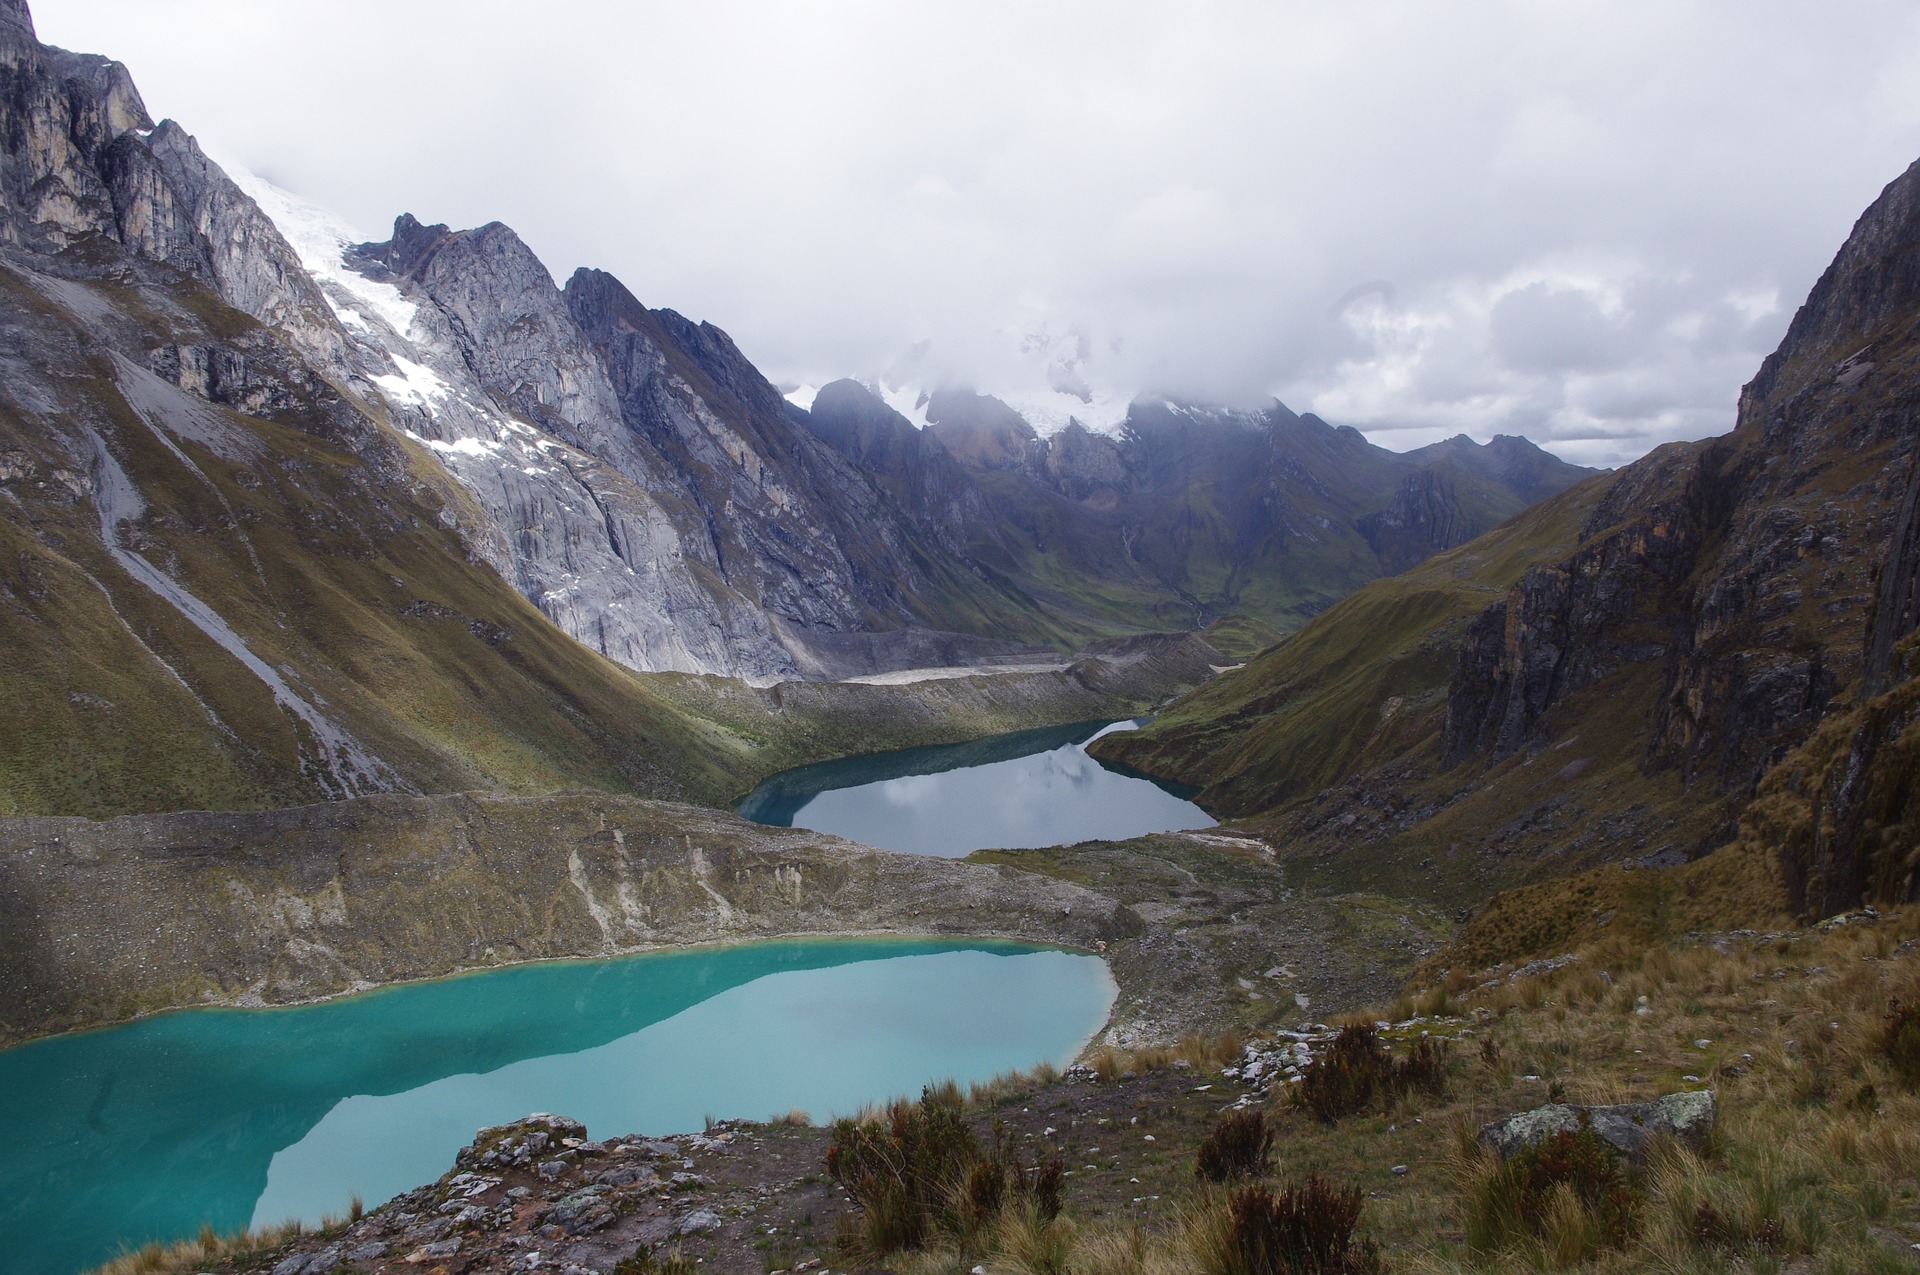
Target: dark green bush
column 1240, row 1146
column 1304, row 1229
column 1345, row 1078
column 1423, row 1069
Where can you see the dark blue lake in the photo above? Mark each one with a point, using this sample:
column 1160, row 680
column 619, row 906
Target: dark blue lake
column 237, row 1117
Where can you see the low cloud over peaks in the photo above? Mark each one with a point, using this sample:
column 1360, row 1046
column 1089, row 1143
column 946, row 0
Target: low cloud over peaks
column 1586, row 224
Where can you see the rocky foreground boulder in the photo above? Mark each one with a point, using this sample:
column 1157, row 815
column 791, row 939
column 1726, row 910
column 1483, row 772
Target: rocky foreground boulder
column 1629, row 1126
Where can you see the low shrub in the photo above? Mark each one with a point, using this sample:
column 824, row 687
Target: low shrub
column 1424, row 1068
column 920, row 1172
column 1356, row 1069
column 1345, row 1078
column 1899, row 1043
column 1240, row 1146
column 905, row 1172
column 1570, row 1194
column 1303, row 1229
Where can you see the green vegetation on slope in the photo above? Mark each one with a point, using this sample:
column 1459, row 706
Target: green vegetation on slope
column 1362, row 682
column 327, row 544
column 1241, row 636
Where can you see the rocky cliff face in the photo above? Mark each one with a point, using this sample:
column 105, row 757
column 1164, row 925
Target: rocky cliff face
column 1721, row 659
column 496, row 378
column 793, row 523
column 1737, row 572
column 299, row 904
column 642, row 483
column 83, row 158
column 914, row 465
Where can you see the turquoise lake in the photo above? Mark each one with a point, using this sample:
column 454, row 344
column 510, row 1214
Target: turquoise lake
column 1031, row 788
column 242, row 1117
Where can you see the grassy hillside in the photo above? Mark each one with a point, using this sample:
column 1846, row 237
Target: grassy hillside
column 304, row 543
column 1362, row 682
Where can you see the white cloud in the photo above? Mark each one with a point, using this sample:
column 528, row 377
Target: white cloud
column 1582, row 220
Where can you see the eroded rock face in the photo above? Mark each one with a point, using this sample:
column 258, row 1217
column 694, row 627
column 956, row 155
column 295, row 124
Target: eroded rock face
column 912, row 464
column 1629, row 1127
column 1425, row 515
column 790, row 521
column 83, row 158
column 1737, row 572
column 1569, row 624
column 492, row 374
column 286, row 905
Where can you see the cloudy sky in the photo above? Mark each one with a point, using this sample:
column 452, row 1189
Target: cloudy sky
column 1584, row 222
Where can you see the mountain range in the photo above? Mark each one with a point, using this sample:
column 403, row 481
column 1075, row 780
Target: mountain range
column 289, row 515
column 377, row 610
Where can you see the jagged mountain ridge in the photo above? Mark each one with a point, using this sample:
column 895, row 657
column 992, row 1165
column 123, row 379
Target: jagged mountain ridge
column 625, row 470
column 236, row 571
column 644, row 486
column 1711, row 650
column 1188, row 512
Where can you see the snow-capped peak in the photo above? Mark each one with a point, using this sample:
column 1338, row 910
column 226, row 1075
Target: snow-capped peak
column 322, row 239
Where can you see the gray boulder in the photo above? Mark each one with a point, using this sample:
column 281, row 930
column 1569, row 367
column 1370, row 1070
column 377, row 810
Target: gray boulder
column 1686, row 1117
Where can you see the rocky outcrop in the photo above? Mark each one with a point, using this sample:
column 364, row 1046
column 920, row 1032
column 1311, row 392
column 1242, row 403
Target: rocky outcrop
column 792, row 523
column 912, row 464
column 61, row 114
column 83, row 158
column 983, row 433
column 581, row 515
column 289, row 905
column 1567, row 625
column 1630, row 1128
column 1423, row 519
column 1087, row 467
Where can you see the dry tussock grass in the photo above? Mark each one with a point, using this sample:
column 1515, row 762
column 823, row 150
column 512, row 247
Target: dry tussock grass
column 1195, row 1050
column 1812, row 1168
column 209, row 1249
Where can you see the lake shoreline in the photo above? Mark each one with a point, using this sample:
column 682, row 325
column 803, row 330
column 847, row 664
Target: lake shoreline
column 282, row 907
column 1025, row 789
